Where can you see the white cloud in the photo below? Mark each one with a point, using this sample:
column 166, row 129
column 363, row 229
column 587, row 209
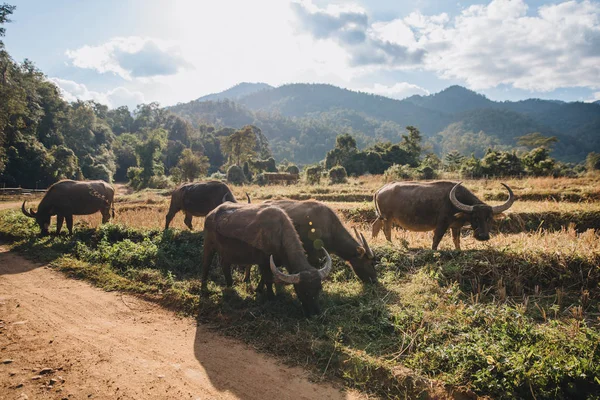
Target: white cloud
column 130, row 57
column 484, row 46
column 120, row 96
column 399, row 90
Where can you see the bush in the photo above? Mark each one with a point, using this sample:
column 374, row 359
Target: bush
column 159, row 182
column 260, row 179
column 292, row 169
column 235, row 175
column 400, row 173
column 134, row 174
column 247, row 172
column 338, row 174
column 313, row 174
column 218, row 176
column 427, row 173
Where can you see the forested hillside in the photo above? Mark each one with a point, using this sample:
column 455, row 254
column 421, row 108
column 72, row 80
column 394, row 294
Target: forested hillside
column 447, row 118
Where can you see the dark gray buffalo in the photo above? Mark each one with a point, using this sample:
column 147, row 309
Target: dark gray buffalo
column 319, row 226
column 198, row 199
column 262, row 234
column 434, row 206
column 67, row 198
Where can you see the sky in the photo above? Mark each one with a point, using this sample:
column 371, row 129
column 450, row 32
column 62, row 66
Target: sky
column 126, row 52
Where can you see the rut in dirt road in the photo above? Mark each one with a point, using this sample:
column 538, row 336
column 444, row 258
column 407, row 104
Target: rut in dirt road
column 109, row 345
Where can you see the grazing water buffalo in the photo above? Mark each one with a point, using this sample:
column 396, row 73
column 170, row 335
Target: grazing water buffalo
column 318, row 226
column 67, row 198
column 434, row 206
column 198, row 199
column 262, row 234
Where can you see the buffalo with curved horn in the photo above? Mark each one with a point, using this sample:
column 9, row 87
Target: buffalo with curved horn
column 67, row 198
column 197, row 199
column 318, row 225
column 435, row 206
column 262, row 234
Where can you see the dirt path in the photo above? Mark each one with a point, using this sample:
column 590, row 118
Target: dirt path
column 5, row 205
column 108, row 345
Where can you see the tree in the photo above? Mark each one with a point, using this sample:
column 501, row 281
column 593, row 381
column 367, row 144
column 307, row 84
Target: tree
column 453, row 161
column 411, row 143
column 149, row 153
column 5, row 11
column 125, row 152
column 192, row 165
column 239, row 146
column 536, row 139
column 538, row 162
column 592, row 162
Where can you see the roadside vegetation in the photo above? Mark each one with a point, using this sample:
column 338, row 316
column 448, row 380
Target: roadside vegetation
column 516, row 317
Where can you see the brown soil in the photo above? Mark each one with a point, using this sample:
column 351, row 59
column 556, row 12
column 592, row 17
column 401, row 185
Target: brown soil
column 110, row 345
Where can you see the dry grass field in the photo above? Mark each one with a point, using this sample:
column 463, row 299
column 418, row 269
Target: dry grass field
column 515, row 317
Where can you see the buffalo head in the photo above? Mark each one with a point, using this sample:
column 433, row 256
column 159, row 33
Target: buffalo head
column 363, row 263
column 42, row 219
column 307, row 284
column 480, row 216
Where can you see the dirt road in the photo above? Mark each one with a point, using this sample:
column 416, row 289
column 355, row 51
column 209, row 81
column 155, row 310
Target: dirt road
column 112, row 346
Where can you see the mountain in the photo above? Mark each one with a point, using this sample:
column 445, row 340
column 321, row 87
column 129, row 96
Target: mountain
column 454, row 99
column 301, row 121
column 237, row 91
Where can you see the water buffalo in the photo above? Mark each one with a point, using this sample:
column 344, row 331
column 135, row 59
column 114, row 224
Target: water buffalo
column 198, row 199
column 319, row 226
column 262, row 234
column 434, row 206
column 67, row 198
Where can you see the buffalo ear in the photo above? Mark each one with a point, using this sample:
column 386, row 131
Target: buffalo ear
column 500, row 216
column 462, row 216
column 361, row 251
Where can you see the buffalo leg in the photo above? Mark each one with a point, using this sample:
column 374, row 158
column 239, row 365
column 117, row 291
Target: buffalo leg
column 387, row 229
column 438, row 234
column 207, row 257
column 376, row 227
column 226, row 268
column 188, row 221
column 105, row 215
column 456, row 238
column 59, row 223
column 170, row 216
column 69, row 219
column 266, row 279
column 247, row 274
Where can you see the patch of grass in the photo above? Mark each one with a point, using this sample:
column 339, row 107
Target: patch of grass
column 516, row 321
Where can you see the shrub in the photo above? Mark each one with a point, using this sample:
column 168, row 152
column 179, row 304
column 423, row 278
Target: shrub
column 338, row 174
column 134, row 174
column 218, row 176
column 400, row 172
column 313, row 174
column 247, row 172
column 260, row 179
column 235, row 175
column 427, row 173
column 292, row 169
column 159, row 182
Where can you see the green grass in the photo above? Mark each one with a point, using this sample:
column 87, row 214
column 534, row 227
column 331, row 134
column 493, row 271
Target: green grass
column 509, row 322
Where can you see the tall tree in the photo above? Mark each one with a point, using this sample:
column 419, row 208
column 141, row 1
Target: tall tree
column 239, row 146
column 192, row 165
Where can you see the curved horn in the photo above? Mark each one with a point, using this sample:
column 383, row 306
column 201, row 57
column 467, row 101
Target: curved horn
column 324, row 272
column 224, row 200
column 357, row 235
column 458, row 204
column 281, row 277
column 248, row 196
column 30, row 213
column 367, row 248
column 507, row 204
